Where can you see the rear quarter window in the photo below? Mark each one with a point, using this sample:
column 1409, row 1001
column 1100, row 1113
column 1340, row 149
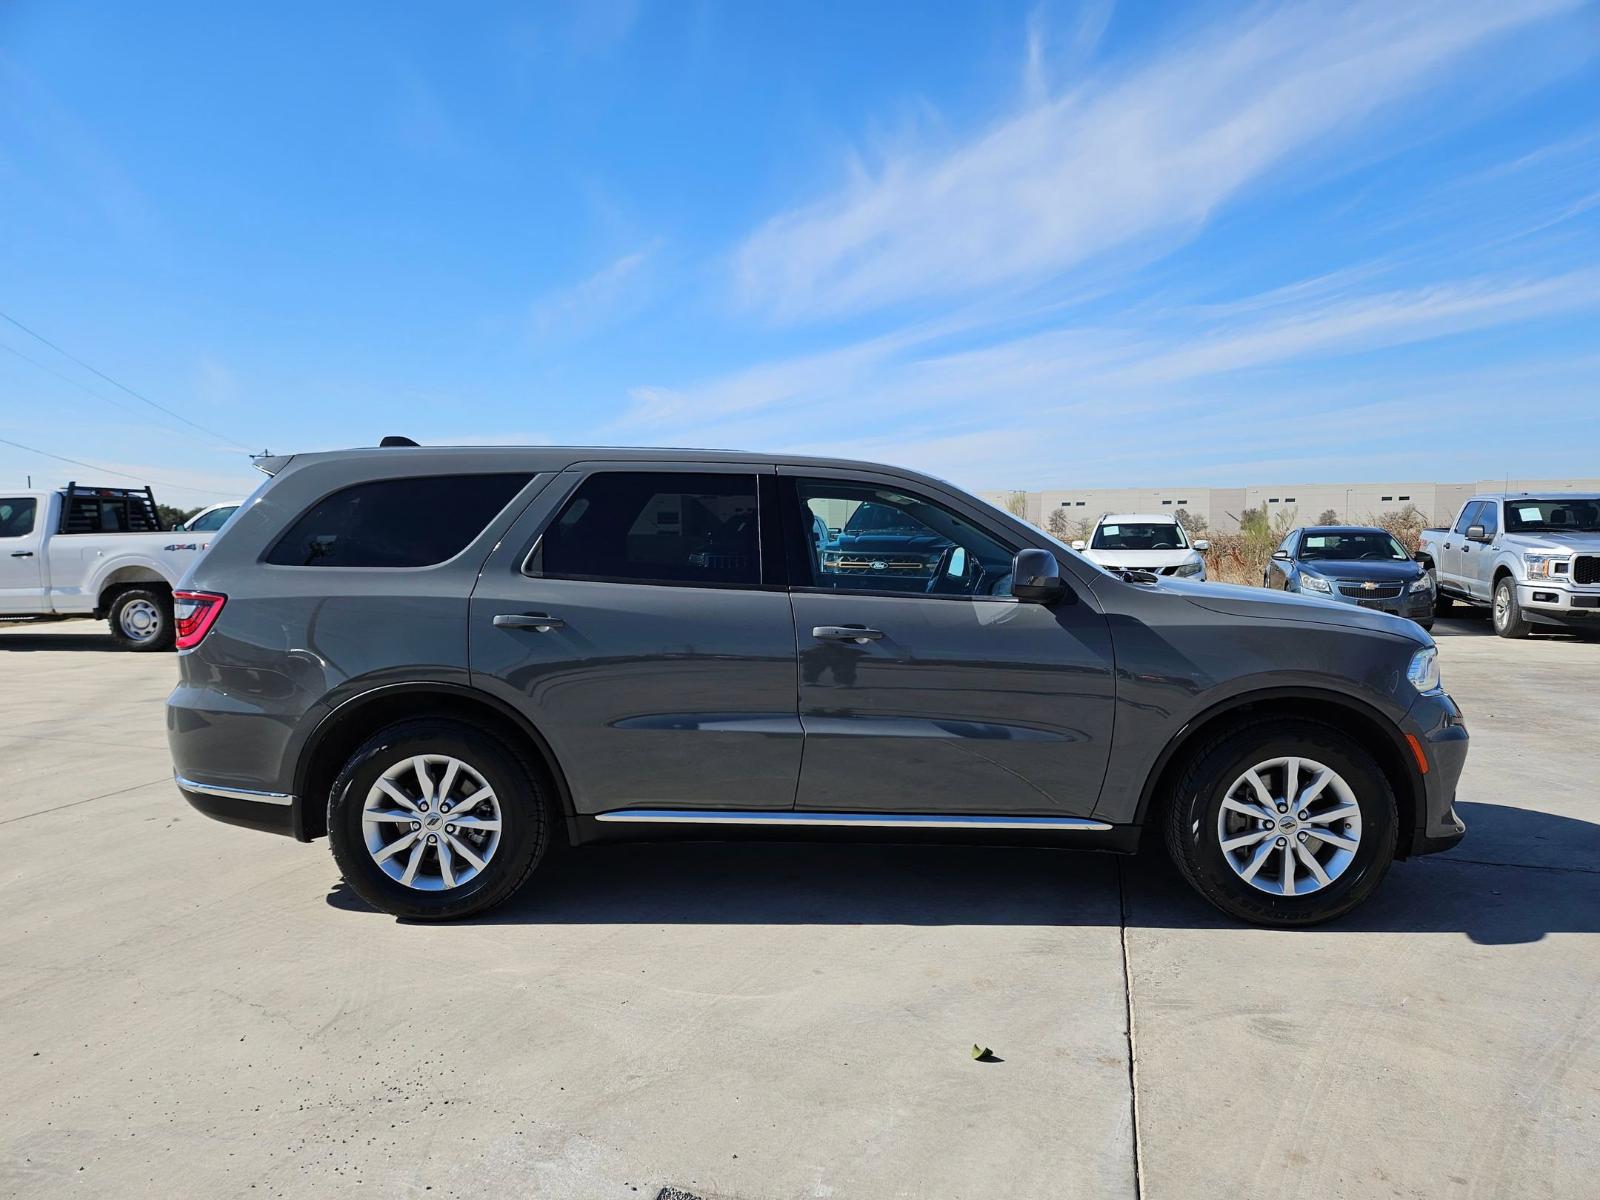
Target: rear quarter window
column 414, row 522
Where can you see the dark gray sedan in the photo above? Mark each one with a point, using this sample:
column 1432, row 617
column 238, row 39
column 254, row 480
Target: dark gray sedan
column 1354, row 564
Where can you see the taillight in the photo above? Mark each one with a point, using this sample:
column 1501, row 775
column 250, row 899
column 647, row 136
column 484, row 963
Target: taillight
column 193, row 615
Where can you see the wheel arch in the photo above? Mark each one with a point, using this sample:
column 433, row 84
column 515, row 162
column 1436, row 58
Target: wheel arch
column 120, row 579
column 354, row 720
column 1377, row 734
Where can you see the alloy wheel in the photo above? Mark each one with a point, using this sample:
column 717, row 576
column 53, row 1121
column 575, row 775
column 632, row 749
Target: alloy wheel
column 431, row 822
column 1289, row 826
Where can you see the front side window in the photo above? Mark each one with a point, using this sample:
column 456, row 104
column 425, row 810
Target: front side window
column 670, row 527
column 1469, row 516
column 1352, row 546
column 414, row 522
column 1139, row 535
column 16, row 516
column 867, row 538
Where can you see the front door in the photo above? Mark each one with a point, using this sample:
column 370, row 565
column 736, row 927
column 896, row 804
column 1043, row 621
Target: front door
column 21, row 553
column 1477, row 558
column 1448, row 568
column 628, row 616
column 924, row 686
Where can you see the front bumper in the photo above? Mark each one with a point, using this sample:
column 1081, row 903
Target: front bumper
column 1559, row 602
column 1415, row 606
column 1437, row 724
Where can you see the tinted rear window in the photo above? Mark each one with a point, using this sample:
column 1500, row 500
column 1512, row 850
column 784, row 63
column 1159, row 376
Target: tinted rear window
column 395, row 522
column 656, row 527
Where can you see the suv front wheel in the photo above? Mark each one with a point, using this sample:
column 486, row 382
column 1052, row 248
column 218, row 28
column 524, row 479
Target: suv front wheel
column 433, row 819
column 1283, row 823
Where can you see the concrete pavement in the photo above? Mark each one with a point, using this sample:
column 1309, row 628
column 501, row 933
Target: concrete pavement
column 195, row 1010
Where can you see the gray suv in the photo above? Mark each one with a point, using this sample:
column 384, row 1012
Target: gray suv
column 453, row 661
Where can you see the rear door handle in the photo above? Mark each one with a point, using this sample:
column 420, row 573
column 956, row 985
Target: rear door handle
column 538, row 622
column 859, row 634
column 22, row 554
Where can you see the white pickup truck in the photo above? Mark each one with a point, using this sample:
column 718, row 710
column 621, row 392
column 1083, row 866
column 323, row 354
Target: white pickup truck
column 1533, row 558
column 93, row 551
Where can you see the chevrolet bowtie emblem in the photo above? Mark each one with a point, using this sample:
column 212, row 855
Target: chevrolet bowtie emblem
column 1369, row 586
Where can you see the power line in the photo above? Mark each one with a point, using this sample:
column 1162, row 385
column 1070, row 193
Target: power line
column 77, row 462
column 69, row 379
column 116, row 384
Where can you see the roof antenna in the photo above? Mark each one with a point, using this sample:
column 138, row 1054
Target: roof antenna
column 395, row 439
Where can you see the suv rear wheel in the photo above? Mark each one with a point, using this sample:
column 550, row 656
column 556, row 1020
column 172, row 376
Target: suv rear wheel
column 1283, row 823
column 432, row 819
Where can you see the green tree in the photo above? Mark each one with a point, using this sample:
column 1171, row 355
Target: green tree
column 172, row 516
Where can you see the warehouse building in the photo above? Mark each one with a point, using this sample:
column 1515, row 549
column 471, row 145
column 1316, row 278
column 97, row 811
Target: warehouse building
column 1301, row 503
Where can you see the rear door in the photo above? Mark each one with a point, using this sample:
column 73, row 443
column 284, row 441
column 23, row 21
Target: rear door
column 925, row 688
column 634, row 616
column 21, row 555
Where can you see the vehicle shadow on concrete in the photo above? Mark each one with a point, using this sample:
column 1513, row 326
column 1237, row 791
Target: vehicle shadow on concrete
column 102, row 642
column 1476, row 624
column 1498, row 893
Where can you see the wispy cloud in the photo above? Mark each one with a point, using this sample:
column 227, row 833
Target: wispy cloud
column 581, row 307
column 1025, row 404
column 1154, row 152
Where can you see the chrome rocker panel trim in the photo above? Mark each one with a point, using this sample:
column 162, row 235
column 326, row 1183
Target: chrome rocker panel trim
column 690, row 816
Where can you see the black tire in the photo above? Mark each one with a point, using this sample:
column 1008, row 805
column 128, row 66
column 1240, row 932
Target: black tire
column 141, row 619
column 1506, row 611
column 527, row 822
column 1192, row 812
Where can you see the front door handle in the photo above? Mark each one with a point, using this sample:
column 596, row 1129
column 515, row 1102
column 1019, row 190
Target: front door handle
column 1447, row 545
column 22, row 554
column 859, row 634
column 538, row 622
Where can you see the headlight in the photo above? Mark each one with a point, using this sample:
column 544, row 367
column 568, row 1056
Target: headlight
column 1545, row 565
column 1422, row 583
column 1316, row 583
column 1189, row 569
column 1423, row 673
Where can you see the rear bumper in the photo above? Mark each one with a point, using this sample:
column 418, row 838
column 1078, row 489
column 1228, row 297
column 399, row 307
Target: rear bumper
column 272, row 812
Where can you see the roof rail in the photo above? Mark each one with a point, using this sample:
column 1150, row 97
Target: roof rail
column 395, row 439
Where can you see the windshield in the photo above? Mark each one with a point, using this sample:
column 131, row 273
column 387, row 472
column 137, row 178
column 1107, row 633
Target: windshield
column 882, row 518
column 1571, row 515
column 1139, row 535
column 1352, row 545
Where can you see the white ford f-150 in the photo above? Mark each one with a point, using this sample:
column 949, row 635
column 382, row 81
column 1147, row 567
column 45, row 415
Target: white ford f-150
column 1533, row 558
column 93, row 551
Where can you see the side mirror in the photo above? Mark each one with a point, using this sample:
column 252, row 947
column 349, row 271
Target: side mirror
column 1036, row 577
column 1475, row 533
column 1281, row 555
column 1078, row 543
column 1201, row 545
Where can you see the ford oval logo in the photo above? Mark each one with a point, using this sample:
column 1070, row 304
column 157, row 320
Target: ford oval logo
column 879, row 565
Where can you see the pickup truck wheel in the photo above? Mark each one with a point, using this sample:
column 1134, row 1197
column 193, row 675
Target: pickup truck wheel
column 432, row 819
column 141, row 619
column 1283, row 823
column 1508, row 620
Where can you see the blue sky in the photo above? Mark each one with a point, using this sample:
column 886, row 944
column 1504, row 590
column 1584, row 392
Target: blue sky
column 1017, row 245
